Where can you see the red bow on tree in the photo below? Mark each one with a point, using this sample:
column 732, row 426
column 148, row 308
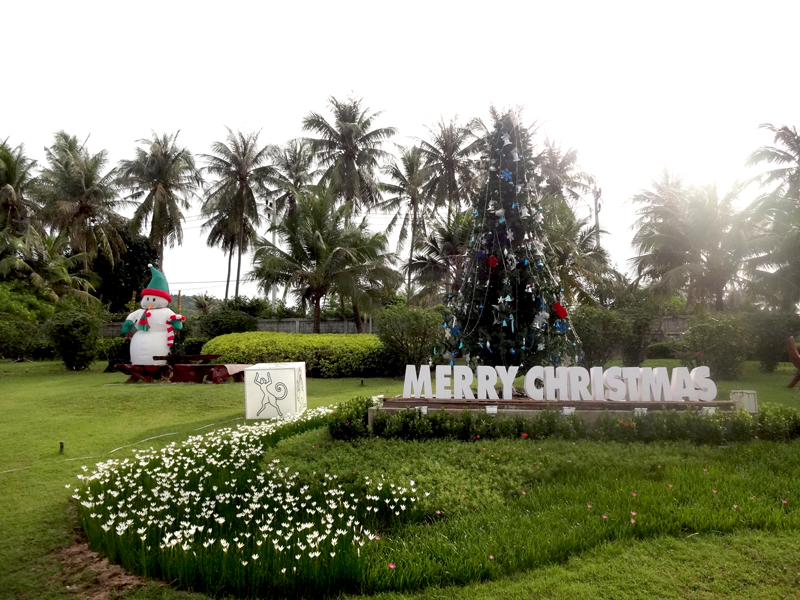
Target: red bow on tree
column 560, row 310
column 492, row 261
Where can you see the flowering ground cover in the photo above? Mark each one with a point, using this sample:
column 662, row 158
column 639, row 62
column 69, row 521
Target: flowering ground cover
column 316, row 516
column 41, row 404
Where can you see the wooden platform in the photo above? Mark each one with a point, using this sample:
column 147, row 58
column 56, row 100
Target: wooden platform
column 183, row 373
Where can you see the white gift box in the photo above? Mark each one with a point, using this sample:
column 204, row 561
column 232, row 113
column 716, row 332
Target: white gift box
column 274, row 390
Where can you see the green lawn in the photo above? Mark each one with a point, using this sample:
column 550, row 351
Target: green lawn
column 94, row 414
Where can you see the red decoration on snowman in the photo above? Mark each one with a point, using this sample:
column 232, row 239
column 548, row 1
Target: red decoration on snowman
column 155, row 324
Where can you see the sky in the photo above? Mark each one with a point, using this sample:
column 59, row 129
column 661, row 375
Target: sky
column 635, row 87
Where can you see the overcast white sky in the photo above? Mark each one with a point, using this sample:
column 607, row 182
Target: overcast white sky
column 634, row 86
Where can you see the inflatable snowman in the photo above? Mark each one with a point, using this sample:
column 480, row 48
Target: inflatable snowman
column 154, row 324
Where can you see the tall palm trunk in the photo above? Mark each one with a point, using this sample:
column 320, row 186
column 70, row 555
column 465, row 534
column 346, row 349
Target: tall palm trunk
column 411, row 254
column 357, row 318
column 228, row 278
column 317, row 313
column 239, row 265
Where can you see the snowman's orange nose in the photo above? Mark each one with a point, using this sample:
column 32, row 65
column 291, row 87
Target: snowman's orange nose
column 149, row 306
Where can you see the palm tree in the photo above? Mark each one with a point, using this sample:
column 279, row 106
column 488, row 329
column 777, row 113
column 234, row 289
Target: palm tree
column 16, row 178
column 561, row 174
column 439, row 258
column 449, row 156
column 79, row 198
column 164, row 178
column 241, row 171
column 774, row 268
column 786, row 153
column 350, row 151
column 44, row 262
column 579, row 262
column 410, row 202
column 291, row 170
column 223, row 231
column 325, row 250
column 690, row 239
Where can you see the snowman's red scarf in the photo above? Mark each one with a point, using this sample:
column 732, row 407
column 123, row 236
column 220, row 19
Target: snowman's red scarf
column 143, row 324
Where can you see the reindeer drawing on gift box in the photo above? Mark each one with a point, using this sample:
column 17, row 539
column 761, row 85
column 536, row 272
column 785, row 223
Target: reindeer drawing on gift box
column 268, row 398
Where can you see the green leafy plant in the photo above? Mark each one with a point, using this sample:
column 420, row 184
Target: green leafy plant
column 325, row 355
column 221, row 322
column 349, row 420
column 771, row 331
column 409, row 334
column 661, row 350
column 718, row 340
column 602, row 332
column 74, row 335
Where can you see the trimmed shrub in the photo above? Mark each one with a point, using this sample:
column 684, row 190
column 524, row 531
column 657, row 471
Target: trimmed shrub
column 640, row 324
column 409, row 334
column 661, row 350
column 222, row 322
column 74, row 335
column 349, row 420
column 115, row 350
column 193, row 345
column 718, row 340
column 17, row 337
column 601, row 331
column 771, row 331
column 777, row 423
column 325, row 355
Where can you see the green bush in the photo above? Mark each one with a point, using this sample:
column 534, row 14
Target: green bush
column 641, row 321
column 718, row 340
column 74, row 335
column 661, row 350
column 194, row 345
column 325, row 355
column 17, row 337
column 602, row 331
column 409, row 334
column 777, row 423
column 222, row 322
column 115, row 350
column 771, row 331
column 349, row 420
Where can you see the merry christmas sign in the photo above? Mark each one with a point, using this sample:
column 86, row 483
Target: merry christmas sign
column 621, row 384
column 274, row 390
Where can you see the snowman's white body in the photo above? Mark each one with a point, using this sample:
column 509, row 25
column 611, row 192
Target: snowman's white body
column 158, row 338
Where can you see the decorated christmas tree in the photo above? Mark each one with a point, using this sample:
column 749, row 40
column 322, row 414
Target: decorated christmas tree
column 507, row 307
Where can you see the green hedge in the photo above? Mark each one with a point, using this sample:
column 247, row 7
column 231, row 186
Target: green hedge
column 332, row 355
column 774, row 423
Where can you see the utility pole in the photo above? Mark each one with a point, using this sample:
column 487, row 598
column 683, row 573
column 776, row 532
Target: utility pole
column 597, row 192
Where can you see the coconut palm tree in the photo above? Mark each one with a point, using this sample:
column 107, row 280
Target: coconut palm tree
column 410, row 202
column 325, row 250
column 16, row 179
column 579, row 262
column 79, row 198
column 439, row 258
column 690, row 239
column 349, row 150
column 774, row 267
column 292, row 169
column 241, row 169
column 450, row 157
column 44, row 262
column 163, row 179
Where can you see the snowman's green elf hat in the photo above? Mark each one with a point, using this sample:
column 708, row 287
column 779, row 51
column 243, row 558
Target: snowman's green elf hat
column 158, row 285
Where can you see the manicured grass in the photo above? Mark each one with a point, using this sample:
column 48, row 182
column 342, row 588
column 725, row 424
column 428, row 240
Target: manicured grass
column 45, row 405
column 94, row 413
